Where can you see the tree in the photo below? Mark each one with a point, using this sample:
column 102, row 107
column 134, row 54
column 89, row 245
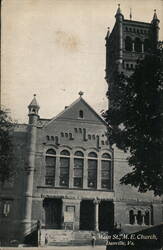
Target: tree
column 7, row 169
column 135, row 119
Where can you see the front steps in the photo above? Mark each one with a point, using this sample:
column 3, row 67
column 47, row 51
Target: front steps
column 68, row 237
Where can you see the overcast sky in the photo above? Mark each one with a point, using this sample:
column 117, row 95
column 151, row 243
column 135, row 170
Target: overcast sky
column 55, row 48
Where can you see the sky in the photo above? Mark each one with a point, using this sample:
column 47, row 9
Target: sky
column 56, row 48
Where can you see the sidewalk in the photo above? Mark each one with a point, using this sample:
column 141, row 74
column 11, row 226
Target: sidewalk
column 57, row 248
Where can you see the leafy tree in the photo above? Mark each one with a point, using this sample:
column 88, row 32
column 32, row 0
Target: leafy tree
column 135, row 117
column 7, row 169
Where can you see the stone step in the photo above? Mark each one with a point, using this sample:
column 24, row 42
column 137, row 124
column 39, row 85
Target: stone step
column 62, row 237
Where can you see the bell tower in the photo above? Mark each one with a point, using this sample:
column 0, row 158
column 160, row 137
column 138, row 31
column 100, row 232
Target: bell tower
column 128, row 41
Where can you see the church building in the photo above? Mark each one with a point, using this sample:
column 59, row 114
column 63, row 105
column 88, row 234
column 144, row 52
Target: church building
column 67, row 186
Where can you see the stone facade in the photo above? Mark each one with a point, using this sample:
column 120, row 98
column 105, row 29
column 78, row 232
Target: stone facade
column 84, row 198
column 68, row 178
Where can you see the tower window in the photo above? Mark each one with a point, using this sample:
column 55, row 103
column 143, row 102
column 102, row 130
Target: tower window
column 138, row 45
column 81, row 115
column 146, row 45
column 128, row 44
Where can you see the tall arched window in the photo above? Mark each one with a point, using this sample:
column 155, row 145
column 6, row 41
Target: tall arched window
column 106, row 171
column 146, row 218
column 128, row 43
column 92, row 170
column 50, row 167
column 78, row 169
column 138, row 45
column 64, row 168
column 131, row 217
column 139, row 217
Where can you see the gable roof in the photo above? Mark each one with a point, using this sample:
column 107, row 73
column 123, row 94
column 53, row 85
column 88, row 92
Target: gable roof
column 71, row 112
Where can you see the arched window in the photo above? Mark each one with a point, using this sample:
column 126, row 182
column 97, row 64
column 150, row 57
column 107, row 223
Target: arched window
column 64, row 168
column 138, row 45
column 50, row 167
column 139, row 217
column 128, row 43
column 146, row 45
column 131, row 217
column 81, row 114
column 92, row 170
column 50, row 152
column 106, row 171
column 78, row 169
column 107, row 156
column 92, row 155
column 146, row 218
column 79, row 153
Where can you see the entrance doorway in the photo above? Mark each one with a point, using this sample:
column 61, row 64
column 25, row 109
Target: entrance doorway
column 87, row 215
column 106, row 216
column 53, row 209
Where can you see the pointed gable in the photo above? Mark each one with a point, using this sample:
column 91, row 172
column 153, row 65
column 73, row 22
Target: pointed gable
column 79, row 110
